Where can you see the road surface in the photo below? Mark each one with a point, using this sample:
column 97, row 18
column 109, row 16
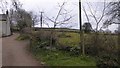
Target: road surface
column 14, row 53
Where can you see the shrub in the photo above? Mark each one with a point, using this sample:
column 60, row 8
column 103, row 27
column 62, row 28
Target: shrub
column 107, row 61
column 75, row 50
column 101, row 44
column 42, row 39
column 41, row 35
column 90, row 46
column 22, row 37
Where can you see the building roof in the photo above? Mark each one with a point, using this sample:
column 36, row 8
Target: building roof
column 3, row 17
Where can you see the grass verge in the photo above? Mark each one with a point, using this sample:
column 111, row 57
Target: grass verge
column 22, row 37
column 60, row 58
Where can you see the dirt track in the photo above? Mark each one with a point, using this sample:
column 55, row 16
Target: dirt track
column 14, row 53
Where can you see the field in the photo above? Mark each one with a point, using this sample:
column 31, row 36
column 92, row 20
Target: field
column 69, row 39
column 108, row 46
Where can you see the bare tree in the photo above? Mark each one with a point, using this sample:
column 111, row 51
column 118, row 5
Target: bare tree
column 22, row 17
column 63, row 14
column 35, row 18
column 85, row 13
column 16, row 4
column 94, row 16
column 113, row 14
column 62, row 17
column 3, row 6
column 98, row 20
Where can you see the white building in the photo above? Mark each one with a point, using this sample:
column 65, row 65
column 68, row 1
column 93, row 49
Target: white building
column 4, row 25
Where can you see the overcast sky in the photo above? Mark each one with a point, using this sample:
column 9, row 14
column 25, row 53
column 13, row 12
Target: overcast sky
column 50, row 8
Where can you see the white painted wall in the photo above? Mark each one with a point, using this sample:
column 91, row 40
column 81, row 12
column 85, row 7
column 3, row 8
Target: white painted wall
column 0, row 43
column 0, row 28
column 0, row 52
column 4, row 28
column 8, row 32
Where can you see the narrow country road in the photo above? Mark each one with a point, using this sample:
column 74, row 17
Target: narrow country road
column 14, row 53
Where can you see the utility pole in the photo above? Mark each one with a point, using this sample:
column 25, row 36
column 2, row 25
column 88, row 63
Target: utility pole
column 41, row 19
column 81, row 32
column 80, row 20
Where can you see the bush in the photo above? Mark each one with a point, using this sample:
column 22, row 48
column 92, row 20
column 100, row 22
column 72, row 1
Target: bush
column 101, row 44
column 40, row 35
column 75, row 50
column 22, row 37
column 42, row 39
column 107, row 61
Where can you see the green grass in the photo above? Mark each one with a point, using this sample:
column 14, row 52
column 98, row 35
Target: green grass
column 70, row 39
column 60, row 58
column 63, row 58
column 22, row 37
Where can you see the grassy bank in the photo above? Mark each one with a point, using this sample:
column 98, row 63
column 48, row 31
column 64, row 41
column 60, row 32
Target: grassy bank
column 60, row 58
column 67, row 50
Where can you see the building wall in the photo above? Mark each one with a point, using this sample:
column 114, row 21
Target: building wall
column 8, row 31
column 5, row 28
column 0, row 44
column 0, row 28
